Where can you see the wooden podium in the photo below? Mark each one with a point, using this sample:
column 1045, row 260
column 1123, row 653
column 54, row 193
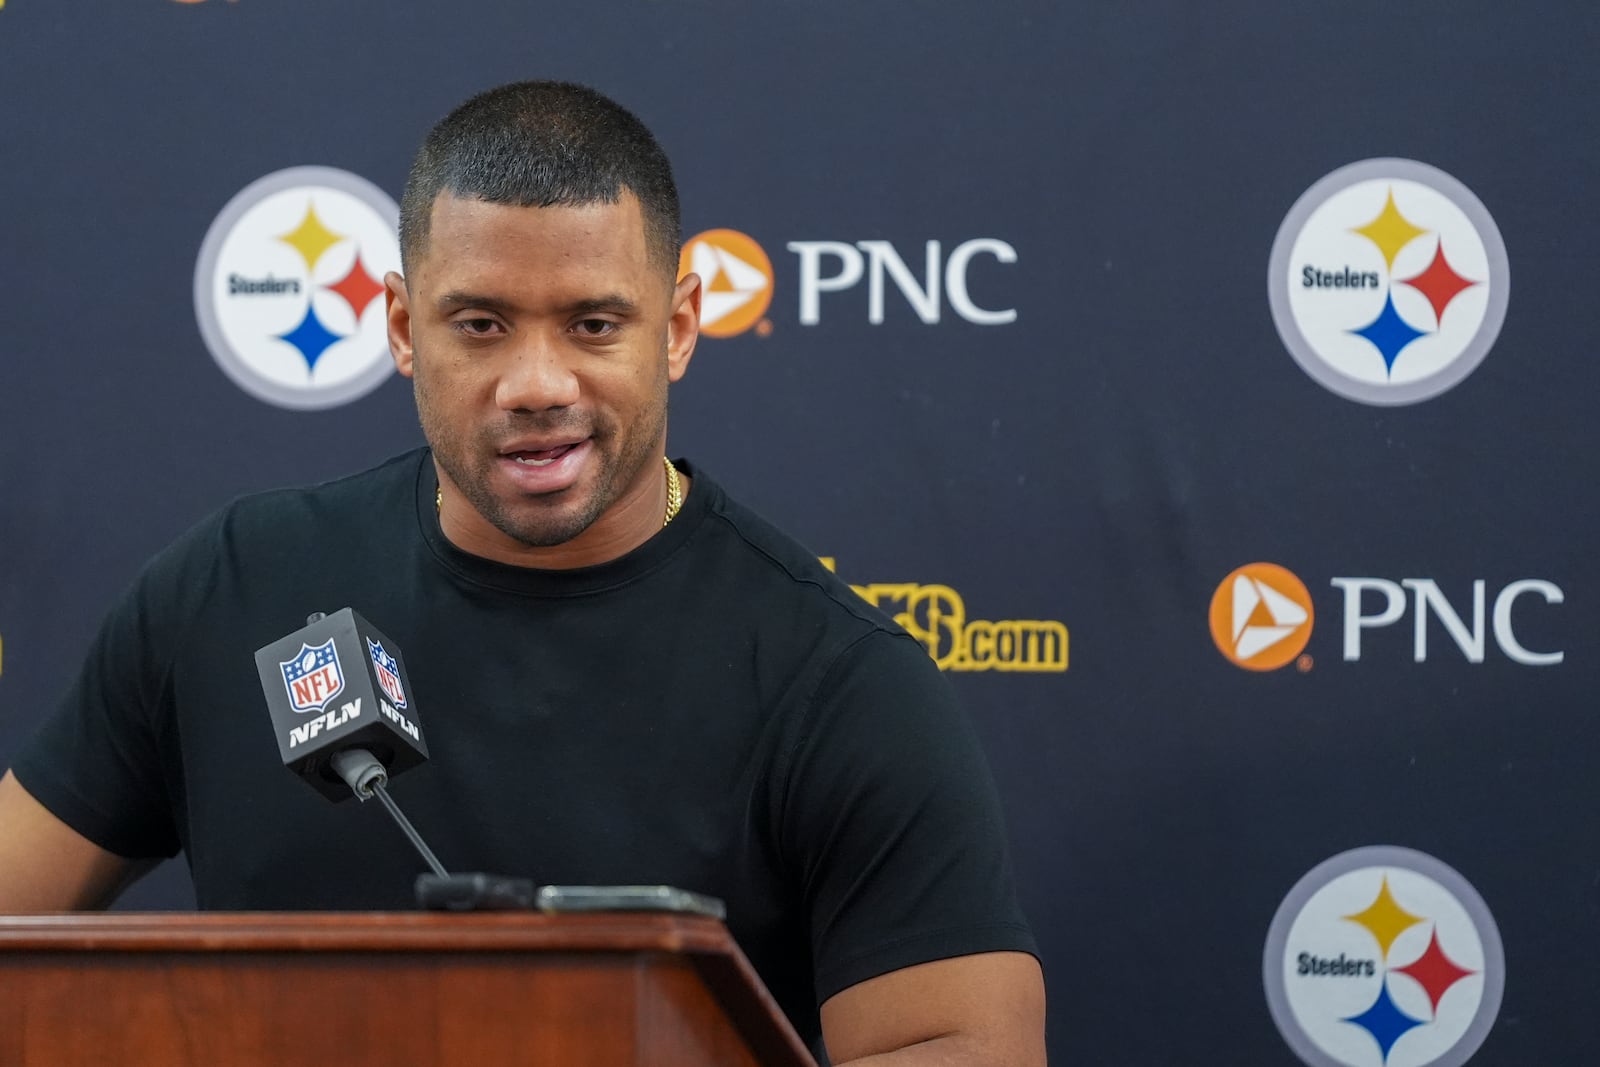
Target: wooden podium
column 384, row 990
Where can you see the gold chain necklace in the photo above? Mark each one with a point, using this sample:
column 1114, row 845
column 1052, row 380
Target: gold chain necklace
column 674, row 493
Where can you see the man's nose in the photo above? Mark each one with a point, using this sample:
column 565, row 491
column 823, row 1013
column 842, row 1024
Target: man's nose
column 537, row 377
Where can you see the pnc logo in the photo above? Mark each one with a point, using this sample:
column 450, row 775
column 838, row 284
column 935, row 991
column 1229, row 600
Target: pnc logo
column 879, row 260
column 1261, row 616
column 737, row 276
column 1383, row 957
column 286, row 287
column 739, row 280
column 1388, row 282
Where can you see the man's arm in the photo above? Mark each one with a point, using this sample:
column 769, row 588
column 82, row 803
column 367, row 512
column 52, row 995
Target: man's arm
column 984, row 1010
column 46, row 865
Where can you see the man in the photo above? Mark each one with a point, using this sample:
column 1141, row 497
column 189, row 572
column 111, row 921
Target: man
column 627, row 677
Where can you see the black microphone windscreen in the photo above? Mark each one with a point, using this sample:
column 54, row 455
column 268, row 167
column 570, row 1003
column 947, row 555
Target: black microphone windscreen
column 334, row 684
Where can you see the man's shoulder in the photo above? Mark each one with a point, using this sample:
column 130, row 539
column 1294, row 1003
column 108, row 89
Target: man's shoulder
column 344, row 498
column 279, row 522
column 774, row 568
column 330, row 513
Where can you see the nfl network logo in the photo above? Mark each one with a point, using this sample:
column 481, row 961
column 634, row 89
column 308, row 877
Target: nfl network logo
column 388, row 671
column 312, row 677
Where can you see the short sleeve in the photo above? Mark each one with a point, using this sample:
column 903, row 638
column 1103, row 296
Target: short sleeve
column 891, row 820
column 97, row 761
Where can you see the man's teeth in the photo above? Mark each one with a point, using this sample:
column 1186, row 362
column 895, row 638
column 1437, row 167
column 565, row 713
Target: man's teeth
column 542, row 457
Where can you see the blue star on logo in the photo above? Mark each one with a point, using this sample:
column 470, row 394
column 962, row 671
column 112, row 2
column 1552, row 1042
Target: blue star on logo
column 1384, row 1021
column 311, row 338
column 1389, row 333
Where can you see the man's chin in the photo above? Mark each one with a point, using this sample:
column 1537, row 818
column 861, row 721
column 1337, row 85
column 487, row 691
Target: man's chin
column 543, row 538
column 557, row 526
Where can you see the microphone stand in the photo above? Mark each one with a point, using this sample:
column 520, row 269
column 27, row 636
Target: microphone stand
column 364, row 773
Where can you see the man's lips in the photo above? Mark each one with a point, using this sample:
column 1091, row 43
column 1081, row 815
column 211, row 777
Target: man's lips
column 540, row 457
column 544, row 466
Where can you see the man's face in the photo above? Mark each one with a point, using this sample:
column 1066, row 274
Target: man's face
column 541, row 342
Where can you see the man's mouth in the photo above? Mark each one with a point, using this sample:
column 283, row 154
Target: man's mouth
column 541, row 457
column 540, row 467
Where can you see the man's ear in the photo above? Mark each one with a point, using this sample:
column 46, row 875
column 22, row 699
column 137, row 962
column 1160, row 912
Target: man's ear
column 683, row 327
column 397, row 307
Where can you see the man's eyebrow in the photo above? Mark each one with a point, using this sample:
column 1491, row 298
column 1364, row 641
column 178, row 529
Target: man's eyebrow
column 615, row 303
column 453, row 301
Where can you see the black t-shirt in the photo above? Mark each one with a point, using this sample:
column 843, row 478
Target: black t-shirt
column 713, row 711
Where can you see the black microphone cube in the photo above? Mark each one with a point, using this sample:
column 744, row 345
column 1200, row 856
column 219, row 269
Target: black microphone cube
column 339, row 683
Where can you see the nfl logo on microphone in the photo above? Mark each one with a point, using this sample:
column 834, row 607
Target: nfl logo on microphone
column 388, row 672
column 312, row 677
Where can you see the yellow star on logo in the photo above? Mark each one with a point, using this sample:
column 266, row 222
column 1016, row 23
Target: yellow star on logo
column 311, row 238
column 1385, row 918
column 1390, row 231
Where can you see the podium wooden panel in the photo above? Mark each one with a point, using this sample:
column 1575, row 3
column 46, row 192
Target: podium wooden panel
column 401, row 989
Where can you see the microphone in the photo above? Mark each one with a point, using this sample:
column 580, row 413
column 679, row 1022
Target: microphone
column 336, row 684
column 336, row 689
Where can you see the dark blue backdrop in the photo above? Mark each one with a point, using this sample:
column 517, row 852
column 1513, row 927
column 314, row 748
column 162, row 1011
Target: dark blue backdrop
column 1105, row 461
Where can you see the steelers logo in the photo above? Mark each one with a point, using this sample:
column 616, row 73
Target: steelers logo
column 288, row 291
column 1388, row 282
column 737, row 279
column 1383, row 957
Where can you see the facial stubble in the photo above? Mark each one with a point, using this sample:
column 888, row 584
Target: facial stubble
column 547, row 520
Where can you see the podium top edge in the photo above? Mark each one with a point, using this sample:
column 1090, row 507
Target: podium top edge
column 507, row 931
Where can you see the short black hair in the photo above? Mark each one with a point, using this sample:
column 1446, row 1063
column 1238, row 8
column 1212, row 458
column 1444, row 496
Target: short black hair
column 539, row 144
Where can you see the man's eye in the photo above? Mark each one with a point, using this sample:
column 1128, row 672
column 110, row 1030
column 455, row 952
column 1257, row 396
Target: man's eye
column 476, row 327
column 596, row 327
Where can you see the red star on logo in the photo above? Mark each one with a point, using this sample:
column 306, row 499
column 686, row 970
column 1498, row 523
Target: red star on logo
column 358, row 288
column 1434, row 971
column 1440, row 284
